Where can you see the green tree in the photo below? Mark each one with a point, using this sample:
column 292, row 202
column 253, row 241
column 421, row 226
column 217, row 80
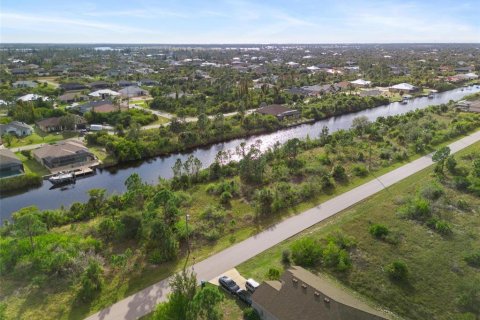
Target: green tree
column 440, row 157
column 306, row 252
column 27, row 223
column 204, row 305
column 91, row 281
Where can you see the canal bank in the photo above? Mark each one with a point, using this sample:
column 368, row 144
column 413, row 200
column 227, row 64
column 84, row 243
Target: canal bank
column 112, row 179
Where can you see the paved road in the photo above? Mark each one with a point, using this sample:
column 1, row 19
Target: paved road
column 144, row 301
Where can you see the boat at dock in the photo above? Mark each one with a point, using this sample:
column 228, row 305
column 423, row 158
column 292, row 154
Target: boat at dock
column 62, row 178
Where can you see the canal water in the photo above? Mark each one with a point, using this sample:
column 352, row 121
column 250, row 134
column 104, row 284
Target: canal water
column 112, row 179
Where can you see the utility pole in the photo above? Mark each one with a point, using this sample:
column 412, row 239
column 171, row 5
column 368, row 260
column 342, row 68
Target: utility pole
column 187, row 216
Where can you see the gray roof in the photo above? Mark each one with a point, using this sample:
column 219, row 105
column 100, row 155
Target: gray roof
column 301, row 295
column 60, row 149
column 7, row 158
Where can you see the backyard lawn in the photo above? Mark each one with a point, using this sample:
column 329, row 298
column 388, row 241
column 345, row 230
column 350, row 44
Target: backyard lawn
column 41, row 137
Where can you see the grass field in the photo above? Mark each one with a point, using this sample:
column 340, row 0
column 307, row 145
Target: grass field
column 435, row 262
column 32, row 165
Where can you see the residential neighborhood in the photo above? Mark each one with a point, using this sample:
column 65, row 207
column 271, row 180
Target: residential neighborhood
column 239, row 160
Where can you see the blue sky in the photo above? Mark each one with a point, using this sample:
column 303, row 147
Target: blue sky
column 239, row 21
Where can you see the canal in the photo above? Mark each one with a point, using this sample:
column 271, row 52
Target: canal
column 112, row 179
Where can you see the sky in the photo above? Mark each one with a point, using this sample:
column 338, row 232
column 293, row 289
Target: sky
column 239, row 21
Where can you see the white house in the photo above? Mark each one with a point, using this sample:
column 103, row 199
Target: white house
column 104, row 93
column 361, row 83
column 18, row 128
column 32, row 97
column 405, row 87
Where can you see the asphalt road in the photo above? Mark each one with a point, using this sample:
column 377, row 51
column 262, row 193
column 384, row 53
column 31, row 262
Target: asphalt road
column 144, row 302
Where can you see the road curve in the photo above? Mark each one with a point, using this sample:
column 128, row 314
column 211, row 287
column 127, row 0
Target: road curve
column 144, row 302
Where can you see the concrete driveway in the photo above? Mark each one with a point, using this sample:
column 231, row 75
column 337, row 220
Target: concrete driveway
column 232, row 273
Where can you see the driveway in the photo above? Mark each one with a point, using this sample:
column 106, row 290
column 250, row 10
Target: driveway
column 144, row 302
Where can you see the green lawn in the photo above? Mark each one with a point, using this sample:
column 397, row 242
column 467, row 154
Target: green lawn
column 41, row 137
column 32, row 165
column 435, row 262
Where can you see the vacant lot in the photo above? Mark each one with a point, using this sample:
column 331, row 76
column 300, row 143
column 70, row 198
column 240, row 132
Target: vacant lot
column 437, row 268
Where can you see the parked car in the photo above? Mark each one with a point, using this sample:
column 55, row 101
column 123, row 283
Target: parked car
column 228, row 284
column 244, row 295
column 251, row 285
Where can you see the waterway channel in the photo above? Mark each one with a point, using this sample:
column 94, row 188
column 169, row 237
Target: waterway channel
column 112, row 179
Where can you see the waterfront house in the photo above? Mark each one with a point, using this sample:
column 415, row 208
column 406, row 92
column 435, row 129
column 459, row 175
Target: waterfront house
column 10, row 165
column 20, row 129
column 279, row 111
column 403, row 87
column 66, row 154
column 302, row 295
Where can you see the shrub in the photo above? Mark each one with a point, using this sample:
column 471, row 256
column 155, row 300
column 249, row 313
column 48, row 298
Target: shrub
column 106, row 229
column 461, row 183
column 473, row 259
column 225, row 197
column 91, row 281
column 360, row 170
column 336, row 257
column 339, row 173
column 273, row 274
column 286, row 256
column 432, row 191
column 397, row 270
column 251, row 314
column 306, row 252
column 462, row 204
column 379, row 231
column 451, row 164
column 442, row 227
column 417, row 208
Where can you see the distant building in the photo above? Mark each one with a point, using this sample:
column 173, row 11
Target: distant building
column 148, row 82
column 104, row 93
column 99, row 85
column 20, row 129
column 126, row 83
column 32, row 97
column 10, row 165
column 72, row 86
column 70, row 97
column 403, row 87
column 54, row 124
column 279, row 111
column 66, row 154
column 101, row 106
column 360, row 83
column 301, row 295
column 132, row 91
column 24, row 84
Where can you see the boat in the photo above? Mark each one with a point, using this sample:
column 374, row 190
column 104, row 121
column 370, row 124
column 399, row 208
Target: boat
column 62, row 178
column 405, row 99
